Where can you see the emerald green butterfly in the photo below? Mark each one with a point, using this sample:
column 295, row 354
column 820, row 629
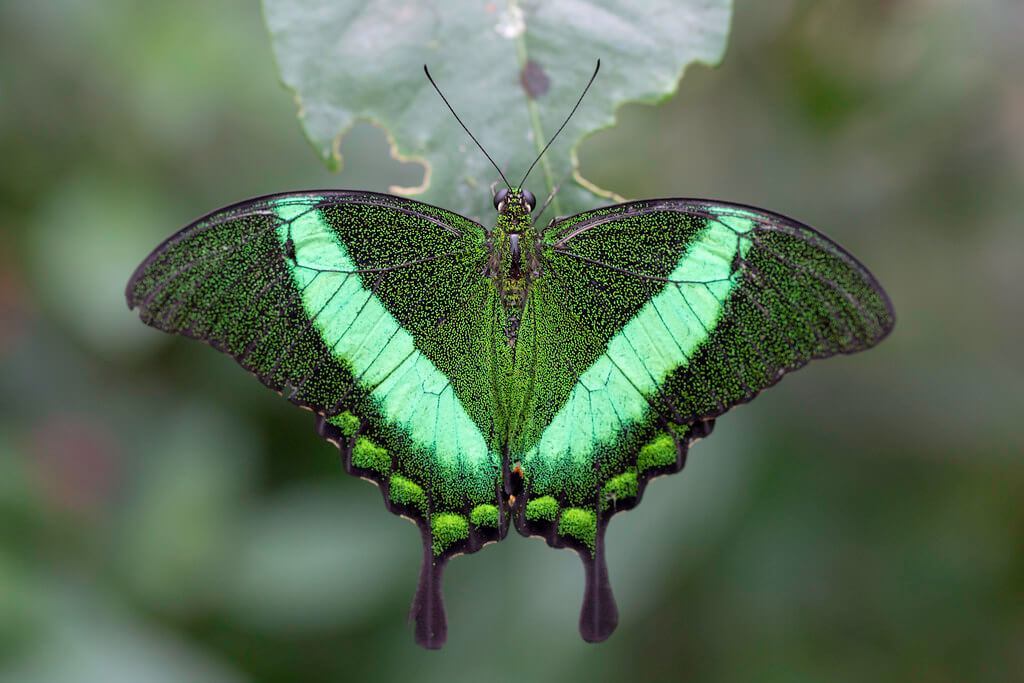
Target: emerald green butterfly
column 520, row 374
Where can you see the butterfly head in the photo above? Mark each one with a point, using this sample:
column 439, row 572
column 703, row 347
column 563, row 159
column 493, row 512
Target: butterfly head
column 515, row 203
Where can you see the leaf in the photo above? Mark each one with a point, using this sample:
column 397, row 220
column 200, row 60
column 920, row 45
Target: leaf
column 347, row 60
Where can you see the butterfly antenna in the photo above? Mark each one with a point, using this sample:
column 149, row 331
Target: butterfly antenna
column 429, row 78
column 589, row 83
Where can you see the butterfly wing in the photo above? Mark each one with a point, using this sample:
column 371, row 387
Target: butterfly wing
column 366, row 309
column 651, row 319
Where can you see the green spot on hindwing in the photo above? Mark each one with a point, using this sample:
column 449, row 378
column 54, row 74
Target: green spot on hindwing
column 346, row 422
column 661, row 452
column 619, row 488
column 543, row 508
column 370, row 456
column 580, row 524
column 406, row 492
column 447, row 528
column 484, row 515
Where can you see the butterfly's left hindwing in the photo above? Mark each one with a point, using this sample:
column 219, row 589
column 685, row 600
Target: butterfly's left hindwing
column 365, row 309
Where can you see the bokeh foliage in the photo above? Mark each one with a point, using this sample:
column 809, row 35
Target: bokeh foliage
column 165, row 518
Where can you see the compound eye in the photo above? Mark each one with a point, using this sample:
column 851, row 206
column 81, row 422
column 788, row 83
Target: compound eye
column 530, row 200
column 500, row 196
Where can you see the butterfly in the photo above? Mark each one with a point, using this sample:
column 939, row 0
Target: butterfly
column 526, row 375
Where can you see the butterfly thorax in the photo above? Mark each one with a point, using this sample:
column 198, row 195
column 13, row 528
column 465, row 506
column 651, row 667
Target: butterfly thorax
column 513, row 263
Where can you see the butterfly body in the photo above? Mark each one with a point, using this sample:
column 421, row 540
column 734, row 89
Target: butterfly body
column 514, row 258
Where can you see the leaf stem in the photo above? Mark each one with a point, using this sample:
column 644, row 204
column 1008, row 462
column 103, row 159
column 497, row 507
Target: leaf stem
column 534, row 111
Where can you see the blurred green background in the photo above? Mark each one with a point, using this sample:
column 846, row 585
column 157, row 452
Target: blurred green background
column 165, row 518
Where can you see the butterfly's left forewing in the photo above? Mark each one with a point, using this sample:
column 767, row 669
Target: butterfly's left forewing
column 666, row 313
column 365, row 308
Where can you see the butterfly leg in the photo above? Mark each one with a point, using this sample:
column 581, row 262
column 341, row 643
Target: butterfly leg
column 551, row 196
column 494, row 185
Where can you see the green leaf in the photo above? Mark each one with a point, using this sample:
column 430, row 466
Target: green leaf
column 348, row 60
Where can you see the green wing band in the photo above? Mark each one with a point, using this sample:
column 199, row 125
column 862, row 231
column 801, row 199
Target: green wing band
column 727, row 301
column 401, row 381
column 624, row 385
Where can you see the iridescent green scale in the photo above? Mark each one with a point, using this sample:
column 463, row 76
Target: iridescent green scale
column 512, row 375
